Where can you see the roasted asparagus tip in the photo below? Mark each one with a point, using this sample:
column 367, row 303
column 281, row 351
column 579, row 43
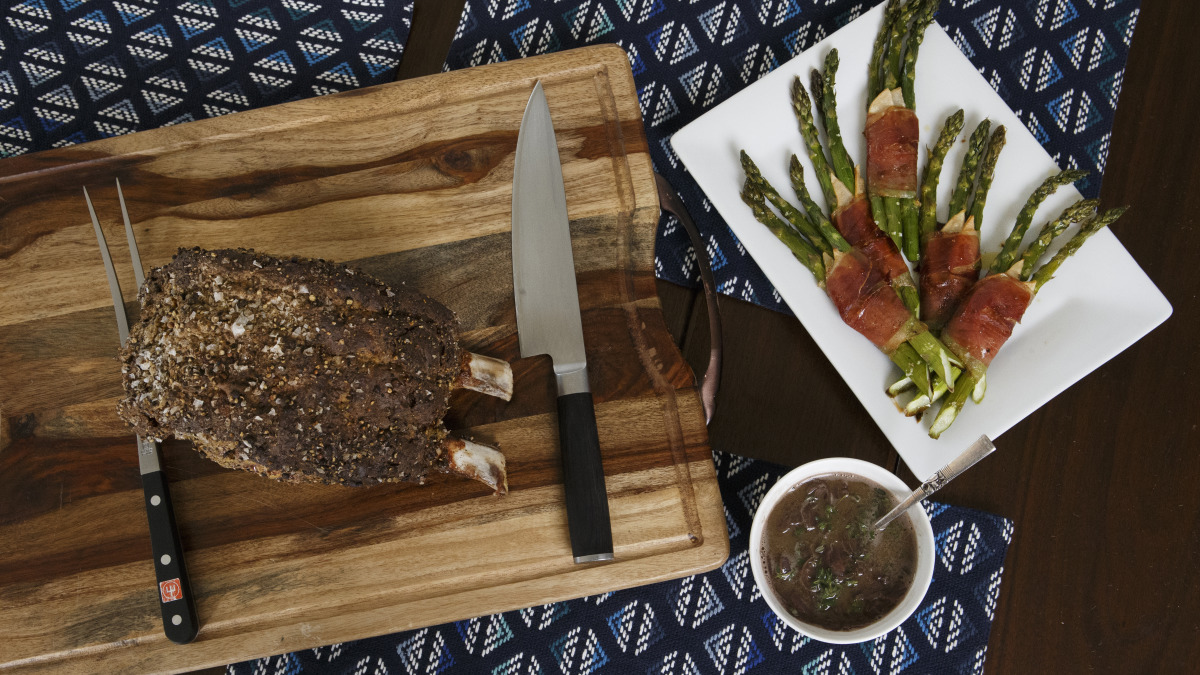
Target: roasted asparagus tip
column 477, row 462
column 486, row 376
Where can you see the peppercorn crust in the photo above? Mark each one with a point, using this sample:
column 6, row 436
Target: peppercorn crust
column 297, row 369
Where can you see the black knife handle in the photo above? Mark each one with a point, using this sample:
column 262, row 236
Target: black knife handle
column 583, row 479
column 174, row 591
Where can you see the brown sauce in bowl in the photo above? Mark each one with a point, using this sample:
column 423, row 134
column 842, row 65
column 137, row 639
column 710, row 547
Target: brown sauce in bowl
column 824, row 560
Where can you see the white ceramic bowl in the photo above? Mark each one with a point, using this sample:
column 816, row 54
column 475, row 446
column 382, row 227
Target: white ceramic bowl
column 921, row 526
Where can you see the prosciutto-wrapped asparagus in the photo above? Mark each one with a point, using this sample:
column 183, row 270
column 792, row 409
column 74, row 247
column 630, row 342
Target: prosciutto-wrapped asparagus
column 950, row 260
column 892, row 130
column 950, row 256
column 861, row 304
column 859, row 289
column 867, row 303
column 985, row 319
column 843, row 185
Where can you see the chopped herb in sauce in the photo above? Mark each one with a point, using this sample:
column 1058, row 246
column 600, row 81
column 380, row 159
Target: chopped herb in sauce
column 825, row 560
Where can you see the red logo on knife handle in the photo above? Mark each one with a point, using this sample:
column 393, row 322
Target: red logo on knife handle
column 170, row 590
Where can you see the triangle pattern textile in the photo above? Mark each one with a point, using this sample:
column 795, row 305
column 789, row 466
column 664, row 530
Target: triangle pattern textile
column 72, row 72
column 707, row 624
column 1058, row 63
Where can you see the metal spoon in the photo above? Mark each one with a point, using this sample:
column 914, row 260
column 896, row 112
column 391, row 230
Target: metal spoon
column 977, row 451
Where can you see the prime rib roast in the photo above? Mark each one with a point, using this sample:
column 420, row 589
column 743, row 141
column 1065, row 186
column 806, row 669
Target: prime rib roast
column 303, row 370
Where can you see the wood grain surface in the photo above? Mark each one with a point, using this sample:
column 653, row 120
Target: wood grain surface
column 411, row 182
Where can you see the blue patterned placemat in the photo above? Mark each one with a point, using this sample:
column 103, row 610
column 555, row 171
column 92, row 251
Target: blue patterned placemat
column 1057, row 63
column 715, row 623
column 74, row 71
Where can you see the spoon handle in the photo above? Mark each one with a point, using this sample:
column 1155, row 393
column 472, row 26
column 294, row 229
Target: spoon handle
column 977, row 451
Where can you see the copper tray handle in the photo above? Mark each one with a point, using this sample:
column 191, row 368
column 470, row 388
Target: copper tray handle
column 669, row 201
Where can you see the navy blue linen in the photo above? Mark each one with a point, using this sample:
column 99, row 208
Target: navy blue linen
column 73, row 71
column 706, row 624
column 1057, row 63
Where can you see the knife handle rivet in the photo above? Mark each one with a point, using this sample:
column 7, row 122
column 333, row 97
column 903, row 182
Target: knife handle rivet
column 155, row 500
column 166, row 559
column 177, row 619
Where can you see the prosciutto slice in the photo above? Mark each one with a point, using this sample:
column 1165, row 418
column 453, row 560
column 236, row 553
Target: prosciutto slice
column 867, row 303
column 893, row 137
column 855, row 223
column 949, row 268
column 985, row 319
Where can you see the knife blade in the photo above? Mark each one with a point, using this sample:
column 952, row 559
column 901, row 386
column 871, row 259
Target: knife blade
column 549, row 322
column 177, row 605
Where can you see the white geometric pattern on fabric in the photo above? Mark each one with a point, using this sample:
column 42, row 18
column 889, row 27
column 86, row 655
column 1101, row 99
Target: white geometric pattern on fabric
column 71, row 72
column 692, row 605
column 733, row 650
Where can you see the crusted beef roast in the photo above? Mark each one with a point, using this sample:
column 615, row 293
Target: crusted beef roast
column 302, row 370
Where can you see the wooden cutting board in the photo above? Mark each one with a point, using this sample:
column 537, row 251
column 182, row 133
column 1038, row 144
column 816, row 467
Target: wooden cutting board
column 411, row 182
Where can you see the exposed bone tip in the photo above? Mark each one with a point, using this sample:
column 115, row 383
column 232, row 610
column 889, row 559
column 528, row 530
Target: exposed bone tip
column 486, row 375
column 478, row 462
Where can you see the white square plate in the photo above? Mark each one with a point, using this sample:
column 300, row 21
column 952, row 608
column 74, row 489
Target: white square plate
column 1099, row 303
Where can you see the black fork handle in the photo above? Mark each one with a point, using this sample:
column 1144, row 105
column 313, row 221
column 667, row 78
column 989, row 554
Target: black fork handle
column 176, row 601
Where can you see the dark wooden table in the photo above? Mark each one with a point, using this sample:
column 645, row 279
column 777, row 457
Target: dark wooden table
column 1103, row 482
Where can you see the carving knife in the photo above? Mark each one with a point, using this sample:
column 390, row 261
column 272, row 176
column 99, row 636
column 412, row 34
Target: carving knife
column 548, row 322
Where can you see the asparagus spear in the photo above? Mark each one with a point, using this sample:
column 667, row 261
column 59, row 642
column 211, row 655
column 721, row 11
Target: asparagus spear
column 826, row 228
column 892, row 223
column 1081, row 211
column 936, row 354
column 900, row 215
column 933, row 171
column 922, row 402
column 914, row 368
column 1046, row 273
column 843, row 166
column 1008, row 252
column 802, row 249
column 791, row 214
column 966, row 174
column 802, row 105
column 899, row 29
column 910, row 227
column 987, row 170
column 953, row 404
column 886, row 211
column 875, row 69
column 908, row 77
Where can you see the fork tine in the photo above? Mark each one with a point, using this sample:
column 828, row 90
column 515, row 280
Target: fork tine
column 133, row 249
column 113, row 287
